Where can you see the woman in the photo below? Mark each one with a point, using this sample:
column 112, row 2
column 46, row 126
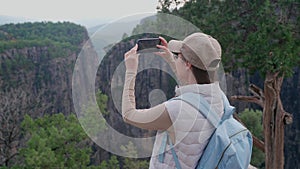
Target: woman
column 195, row 61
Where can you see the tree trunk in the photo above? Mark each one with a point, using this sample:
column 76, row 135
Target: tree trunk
column 273, row 116
column 274, row 119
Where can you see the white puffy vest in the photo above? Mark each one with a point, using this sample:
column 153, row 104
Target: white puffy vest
column 192, row 130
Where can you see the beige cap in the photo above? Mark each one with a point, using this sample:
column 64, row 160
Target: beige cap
column 199, row 49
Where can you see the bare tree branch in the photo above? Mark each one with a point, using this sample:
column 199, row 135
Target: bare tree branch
column 256, row 91
column 258, row 143
column 258, row 97
column 250, row 99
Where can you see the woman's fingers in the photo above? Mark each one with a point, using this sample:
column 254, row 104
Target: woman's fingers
column 131, row 59
column 132, row 51
column 135, row 48
column 163, row 41
column 165, row 53
column 162, row 47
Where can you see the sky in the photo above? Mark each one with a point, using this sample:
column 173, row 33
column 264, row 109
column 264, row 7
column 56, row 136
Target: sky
column 76, row 10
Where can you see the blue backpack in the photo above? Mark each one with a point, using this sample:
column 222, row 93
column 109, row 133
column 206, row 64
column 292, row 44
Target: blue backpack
column 230, row 146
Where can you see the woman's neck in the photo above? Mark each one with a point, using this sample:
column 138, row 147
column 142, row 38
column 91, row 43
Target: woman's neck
column 190, row 79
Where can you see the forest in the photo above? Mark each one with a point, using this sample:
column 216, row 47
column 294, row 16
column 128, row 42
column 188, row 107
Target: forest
column 59, row 35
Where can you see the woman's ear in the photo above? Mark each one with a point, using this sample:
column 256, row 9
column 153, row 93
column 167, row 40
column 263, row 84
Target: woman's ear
column 188, row 65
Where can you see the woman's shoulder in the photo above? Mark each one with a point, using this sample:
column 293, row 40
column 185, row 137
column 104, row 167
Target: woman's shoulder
column 173, row 105
column 176, row 107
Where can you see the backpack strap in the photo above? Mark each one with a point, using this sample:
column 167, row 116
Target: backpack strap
column 228, row 109
column 200, row 104
column 177, row 164
column 161, row 156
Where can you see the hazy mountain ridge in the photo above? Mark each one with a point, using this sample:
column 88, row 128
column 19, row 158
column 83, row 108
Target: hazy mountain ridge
column 88, row 23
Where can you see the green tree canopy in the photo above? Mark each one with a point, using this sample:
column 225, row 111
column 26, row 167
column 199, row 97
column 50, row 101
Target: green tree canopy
column 55, row 141
column 257, row 35
column 58, row 36
column 253, row 121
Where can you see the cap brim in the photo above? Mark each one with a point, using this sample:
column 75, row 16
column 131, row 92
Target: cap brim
column 175, row 46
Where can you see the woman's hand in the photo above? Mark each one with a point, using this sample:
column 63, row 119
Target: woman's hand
column 165, row 53
column 131, row 60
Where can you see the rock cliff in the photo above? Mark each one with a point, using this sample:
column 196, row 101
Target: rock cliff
column 38, row 84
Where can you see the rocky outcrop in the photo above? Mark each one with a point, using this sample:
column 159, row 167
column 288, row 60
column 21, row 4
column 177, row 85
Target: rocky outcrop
column 34, row 83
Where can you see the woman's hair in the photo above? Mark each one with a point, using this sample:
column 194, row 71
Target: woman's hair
column 203, row 76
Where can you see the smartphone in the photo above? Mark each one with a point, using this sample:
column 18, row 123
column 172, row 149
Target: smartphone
column 148, row 45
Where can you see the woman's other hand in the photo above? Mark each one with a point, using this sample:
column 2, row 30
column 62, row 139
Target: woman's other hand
column 165, row 53
column 131, row 60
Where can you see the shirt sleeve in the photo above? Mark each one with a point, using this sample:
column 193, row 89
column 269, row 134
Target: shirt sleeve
column 155, row 118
